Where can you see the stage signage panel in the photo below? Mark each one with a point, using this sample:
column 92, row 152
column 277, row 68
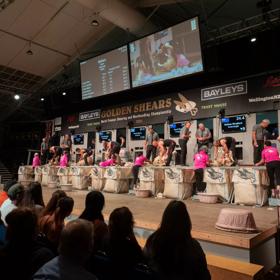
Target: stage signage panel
column 239, row 97
column 224, row 91
column 90, row 115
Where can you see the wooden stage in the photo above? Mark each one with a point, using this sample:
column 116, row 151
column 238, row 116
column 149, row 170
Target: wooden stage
column 255, row 248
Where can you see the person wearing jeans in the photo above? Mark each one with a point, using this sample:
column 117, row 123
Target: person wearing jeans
column 270, row 157
column 201, row 160
column 151, row 143
column 183, row 140
column 138, row 163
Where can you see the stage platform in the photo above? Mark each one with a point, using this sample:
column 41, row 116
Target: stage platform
column 256, row 248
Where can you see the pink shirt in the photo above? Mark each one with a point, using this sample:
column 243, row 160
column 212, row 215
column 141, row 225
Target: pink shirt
column 108, row 162
column 36, row 162
column 140, row 160
column 63, row 161
column 200, row 160
column 270, row 154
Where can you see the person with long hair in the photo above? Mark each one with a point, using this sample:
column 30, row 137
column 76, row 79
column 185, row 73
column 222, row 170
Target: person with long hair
column 51, row 205
column 22, row 255
column 121, row 245
column 33, row 197
column 51, row 225
column 171, row 251
column 94, row 205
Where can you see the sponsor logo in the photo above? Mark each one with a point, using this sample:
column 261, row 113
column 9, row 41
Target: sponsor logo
column 224, row 91
column 91, row 115
column 185, row 106
column 272, row 81
column 265, row 98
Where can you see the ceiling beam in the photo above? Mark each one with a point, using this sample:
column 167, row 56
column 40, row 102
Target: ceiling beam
column 152, row 3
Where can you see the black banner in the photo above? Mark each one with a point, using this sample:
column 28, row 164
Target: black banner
column 245, row 96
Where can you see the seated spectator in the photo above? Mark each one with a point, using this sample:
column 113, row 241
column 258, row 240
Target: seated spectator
column 15, row 194
column 33, row 197
column 120, row 244
column 74, row 249
column 4, row 193
column 171, row 250
column 22, row 256
column 93, row 212
column 50, row 226
column 51, row 205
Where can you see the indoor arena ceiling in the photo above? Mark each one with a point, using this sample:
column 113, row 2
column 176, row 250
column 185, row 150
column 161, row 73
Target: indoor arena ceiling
column 42, row 41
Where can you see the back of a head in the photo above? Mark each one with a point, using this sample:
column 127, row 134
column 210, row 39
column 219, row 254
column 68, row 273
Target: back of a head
column 22, row 225
column 52, row 204
column 267, row 143
column 8, row 184
column 176, row 221
column 16, row 192
column 76, row 240
column 93, row 206
column 121, row 223
column 64, row 207
column 36, row 193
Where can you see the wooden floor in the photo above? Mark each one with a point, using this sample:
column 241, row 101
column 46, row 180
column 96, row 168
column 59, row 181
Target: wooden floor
column 147, row 214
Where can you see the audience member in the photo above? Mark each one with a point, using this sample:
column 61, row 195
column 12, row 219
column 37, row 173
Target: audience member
column 120, row 244
column 171, row 250
column 93, row 212
column 51, row 225
column 15, row 194
column 33, row 197
column 75, row 247
column 4, row 193
column 51, row 205
column 22, row 256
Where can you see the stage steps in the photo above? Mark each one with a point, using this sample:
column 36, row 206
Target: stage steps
column 5, row 174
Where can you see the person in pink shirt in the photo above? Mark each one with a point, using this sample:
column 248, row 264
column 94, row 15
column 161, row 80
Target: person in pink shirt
column 36, row 160
column 270, row 157
column 201, row 160
column 138, row 163
column 108, row 162
column 64, row 160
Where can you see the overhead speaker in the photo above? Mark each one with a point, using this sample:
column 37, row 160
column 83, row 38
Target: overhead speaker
column 98, row 128
column 170, row 119
column 130, row 124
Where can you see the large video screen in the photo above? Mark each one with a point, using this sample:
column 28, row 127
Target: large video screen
column 234, row 124
column 78, row 139
column 171, row 53
column 138, row 133
column 105, row 74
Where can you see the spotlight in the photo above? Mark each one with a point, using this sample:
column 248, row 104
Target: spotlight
column 16, row 97
column 42, row 99
column 94, row 23
column 253, row 39
column 64, row 93
column 29, row 52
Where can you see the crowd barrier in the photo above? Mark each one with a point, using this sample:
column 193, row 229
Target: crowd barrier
column 240, row 184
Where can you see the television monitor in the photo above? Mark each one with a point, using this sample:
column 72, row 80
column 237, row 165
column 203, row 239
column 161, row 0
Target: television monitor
column 105, row 74
column 105, row 136
column 170, row 53
column 175, row 129
column 138, row 133
column 235, row 124
column 78, row 139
